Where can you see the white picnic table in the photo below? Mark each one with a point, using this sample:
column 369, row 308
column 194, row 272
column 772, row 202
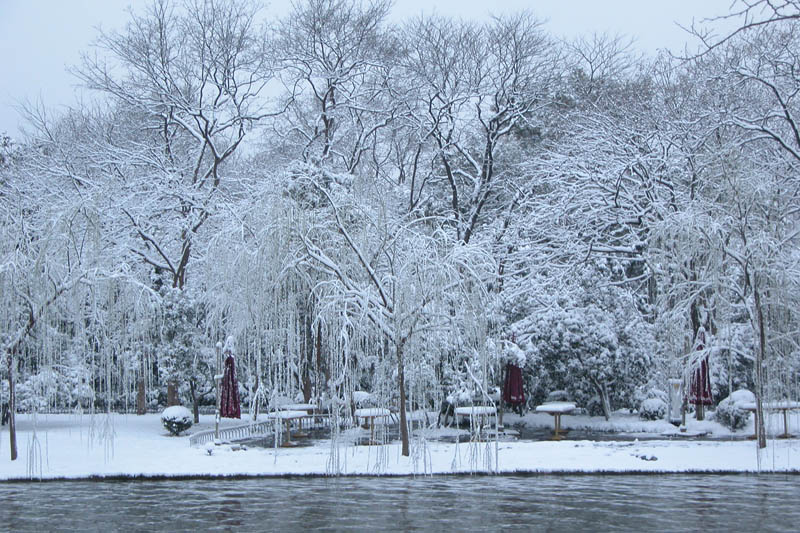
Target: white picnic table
column 287, row 417
column 479, row 413
column 298, row 407
column 370, row 414
column 783, row 405
column 308, row 408
column 556, row 409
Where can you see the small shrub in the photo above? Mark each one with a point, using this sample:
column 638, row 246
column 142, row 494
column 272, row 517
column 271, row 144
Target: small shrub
column 558, row 396
column 176, row 419
column 730, row 415
column 653, row 409
column 363, row 399
column 594, row 407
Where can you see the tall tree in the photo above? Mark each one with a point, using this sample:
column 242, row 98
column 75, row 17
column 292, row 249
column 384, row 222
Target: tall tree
column 190, row 77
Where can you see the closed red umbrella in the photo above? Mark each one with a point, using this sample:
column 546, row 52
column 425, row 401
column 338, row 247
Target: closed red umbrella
column 229, row 402
column 513, row 392
column 700, row 383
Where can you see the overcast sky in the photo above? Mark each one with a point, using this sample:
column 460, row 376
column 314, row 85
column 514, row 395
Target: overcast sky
column 39, row 39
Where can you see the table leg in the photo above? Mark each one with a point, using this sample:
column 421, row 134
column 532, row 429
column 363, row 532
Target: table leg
column 301, row 433
column 288, row 441
column 557, row 423
column 785, row 425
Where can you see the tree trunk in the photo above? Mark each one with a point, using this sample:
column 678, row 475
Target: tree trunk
column 195, row 401
column 256, row 398
column 605, row 401
column 760, row 356
column 141, row 401
column 172, row 394
column 322, row 369
column 308, row 348
column 12, row 426
column 306, row 386
column 401, row 383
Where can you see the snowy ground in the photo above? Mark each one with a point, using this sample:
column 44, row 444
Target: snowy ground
column 72, row 446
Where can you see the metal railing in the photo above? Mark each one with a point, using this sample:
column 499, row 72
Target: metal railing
column 232, row 433
column 244, row 431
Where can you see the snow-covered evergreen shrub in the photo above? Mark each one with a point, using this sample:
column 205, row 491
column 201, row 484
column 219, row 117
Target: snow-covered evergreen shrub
column 558, row 396
column 730, row 413
column 593, row 406
column 743, row 396
column 62, row 387
column 653, row 409
column 176, row 419
column 592, row 341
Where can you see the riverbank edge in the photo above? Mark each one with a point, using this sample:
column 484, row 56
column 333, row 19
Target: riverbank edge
column 518, row 473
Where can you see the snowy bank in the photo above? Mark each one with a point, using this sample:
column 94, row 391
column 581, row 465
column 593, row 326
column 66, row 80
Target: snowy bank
column 72, row 446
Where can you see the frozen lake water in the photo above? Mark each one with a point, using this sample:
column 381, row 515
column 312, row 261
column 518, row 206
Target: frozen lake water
column 442, row 503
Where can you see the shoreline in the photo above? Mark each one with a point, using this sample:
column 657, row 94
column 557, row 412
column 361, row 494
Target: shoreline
column 122, row 478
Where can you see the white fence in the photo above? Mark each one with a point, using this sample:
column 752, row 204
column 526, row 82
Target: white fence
column 232, row 433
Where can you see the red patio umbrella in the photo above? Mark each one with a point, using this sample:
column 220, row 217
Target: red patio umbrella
column 229, row 402
column 513, row 392
column 700, row 383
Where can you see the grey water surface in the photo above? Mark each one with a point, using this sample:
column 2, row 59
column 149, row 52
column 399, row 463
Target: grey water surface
column 440, row 503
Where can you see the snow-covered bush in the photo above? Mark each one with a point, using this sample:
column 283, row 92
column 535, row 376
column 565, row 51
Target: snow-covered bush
column 558, row 396
column 363, row 399
column 176, row 419
column 729, row 412
column 653, row 409
column 593, row 349
column 743, row 396
column 64, row 387
column 592, row 405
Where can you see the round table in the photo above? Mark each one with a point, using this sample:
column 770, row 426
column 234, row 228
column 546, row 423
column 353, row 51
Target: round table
column 556, row 409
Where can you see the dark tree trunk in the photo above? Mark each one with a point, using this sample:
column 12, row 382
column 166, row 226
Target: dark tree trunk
column 760, row 357
column 172, row 394
column 401, row 384
column 12, row 426
column 256, row 398
column 308, row 349
column 195, row 401
column 321, row 371
column 306, row 386
column 141, row 401
column 605, row 401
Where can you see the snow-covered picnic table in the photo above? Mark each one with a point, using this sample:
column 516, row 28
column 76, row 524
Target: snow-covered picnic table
column 308, row 408
column 556, row 409
column 370, row 414
column 287, row 417
column 783, row 405
column 479, row 413
column 298, row 407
